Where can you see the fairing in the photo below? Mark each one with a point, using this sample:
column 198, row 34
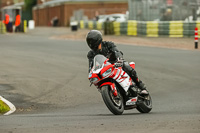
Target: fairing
column 101, row 65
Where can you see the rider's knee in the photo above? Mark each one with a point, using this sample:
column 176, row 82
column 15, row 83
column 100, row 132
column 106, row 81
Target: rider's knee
column 126, row 67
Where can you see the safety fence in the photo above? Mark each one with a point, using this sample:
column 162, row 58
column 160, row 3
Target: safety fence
column 9, row 27
column 145, row 28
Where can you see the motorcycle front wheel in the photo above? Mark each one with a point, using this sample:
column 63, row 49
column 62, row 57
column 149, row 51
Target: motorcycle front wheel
column 114, row 103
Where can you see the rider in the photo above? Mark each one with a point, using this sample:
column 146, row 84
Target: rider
column 108, row 49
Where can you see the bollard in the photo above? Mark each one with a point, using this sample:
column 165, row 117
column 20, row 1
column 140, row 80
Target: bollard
column 196, row 38
column 74, row 25
column 25, row 26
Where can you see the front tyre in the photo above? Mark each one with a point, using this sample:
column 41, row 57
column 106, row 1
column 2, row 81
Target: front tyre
column 114, row 103
column 144, row 104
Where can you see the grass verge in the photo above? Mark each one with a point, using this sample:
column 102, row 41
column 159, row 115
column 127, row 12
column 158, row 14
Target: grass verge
column 3, row 107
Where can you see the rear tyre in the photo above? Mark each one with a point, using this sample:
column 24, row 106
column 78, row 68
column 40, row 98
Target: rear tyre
column 114, row 103
column 144, row 104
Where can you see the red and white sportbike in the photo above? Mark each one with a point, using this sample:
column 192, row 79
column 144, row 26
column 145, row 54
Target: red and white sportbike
column 118, row 90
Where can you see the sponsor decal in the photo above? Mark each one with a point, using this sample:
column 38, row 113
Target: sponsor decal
column 131, row 101
column 134, row 100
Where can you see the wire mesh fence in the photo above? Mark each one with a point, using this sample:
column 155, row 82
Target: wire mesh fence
column 164, row 10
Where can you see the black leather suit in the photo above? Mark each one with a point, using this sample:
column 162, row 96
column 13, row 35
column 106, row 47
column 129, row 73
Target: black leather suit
column 109, row 50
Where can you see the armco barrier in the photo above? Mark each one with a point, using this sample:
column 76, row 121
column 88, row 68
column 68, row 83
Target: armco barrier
column 146, row 28
column 152, row 28
column 163, row 28
column 176, row 29
column 108, row 28
column 91, row 25
column 198, row 26
column 116, row 28
column 132, row 28
column 123, row 28
column 142, row 28
column 99, row 25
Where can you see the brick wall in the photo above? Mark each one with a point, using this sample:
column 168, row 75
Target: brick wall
column 57, row 11
column 9, row 2
column 43, row 16
column 6, row 2
column 91, row 9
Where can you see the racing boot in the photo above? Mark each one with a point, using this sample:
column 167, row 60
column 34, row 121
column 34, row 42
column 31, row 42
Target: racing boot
column 142, row 87
column 139, row 83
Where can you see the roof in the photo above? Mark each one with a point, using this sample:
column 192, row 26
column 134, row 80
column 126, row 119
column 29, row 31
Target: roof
column 59, row 2
column 14, row 6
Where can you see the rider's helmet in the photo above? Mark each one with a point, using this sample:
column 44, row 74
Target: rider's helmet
column 94, row 38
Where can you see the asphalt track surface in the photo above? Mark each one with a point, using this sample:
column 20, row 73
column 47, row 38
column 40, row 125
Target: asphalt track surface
column 47, row 81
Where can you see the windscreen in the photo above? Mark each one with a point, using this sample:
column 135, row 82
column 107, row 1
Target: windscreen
column 99, row 61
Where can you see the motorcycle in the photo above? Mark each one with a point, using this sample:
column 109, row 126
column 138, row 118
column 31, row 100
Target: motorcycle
column 118, row 91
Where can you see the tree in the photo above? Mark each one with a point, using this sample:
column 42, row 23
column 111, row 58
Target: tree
column 27, row 11
column 30, row 3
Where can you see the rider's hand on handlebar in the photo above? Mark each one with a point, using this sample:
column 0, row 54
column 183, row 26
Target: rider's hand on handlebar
column 119, row 63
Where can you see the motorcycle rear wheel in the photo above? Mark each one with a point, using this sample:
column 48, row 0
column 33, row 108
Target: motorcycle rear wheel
column 113, row 103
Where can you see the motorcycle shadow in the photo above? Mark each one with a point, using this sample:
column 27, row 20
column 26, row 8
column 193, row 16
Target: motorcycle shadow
column 125, row 114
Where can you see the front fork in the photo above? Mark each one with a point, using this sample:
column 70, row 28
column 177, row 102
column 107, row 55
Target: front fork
column 112, row 86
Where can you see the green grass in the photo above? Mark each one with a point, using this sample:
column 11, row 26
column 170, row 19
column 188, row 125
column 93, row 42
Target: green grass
column 3, row 107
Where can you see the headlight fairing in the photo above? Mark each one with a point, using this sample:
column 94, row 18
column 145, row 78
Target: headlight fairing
column 106, row 73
